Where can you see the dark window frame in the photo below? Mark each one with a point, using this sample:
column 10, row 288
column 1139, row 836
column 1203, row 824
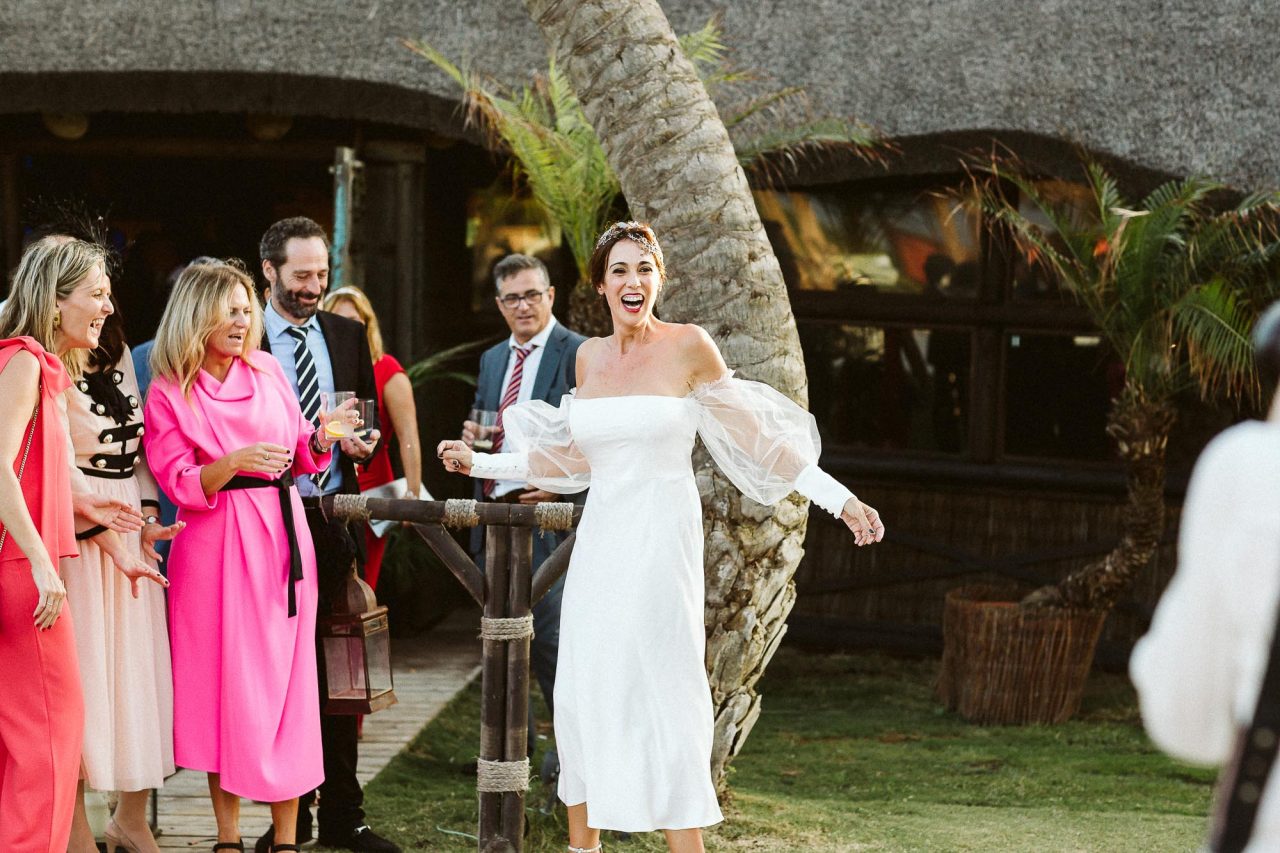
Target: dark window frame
column 989, row 318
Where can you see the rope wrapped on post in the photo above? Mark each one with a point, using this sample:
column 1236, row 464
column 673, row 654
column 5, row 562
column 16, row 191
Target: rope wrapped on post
column 497, row 777
column 553, row 516
column 351, row 507
column 459, row 513
column 506, row 630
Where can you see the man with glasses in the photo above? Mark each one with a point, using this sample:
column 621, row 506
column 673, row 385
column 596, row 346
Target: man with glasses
column 536, row 363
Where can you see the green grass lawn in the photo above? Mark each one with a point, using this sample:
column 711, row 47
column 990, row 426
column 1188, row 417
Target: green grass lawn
column 852, row 753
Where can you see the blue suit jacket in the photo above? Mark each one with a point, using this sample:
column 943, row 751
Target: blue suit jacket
column 557, row 376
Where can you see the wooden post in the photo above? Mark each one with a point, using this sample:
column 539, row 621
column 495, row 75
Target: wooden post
column 507, row 590
column 345, row 165
column 493, row 679
column 517, row 739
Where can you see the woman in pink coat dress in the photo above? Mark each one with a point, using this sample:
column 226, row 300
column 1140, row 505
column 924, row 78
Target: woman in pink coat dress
column 224, row 437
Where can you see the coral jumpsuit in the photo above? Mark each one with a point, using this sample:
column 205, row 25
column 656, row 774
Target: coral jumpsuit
column 42, row 713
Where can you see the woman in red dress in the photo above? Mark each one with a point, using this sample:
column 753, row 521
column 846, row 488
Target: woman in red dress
column 397, row 416
column 60, row 297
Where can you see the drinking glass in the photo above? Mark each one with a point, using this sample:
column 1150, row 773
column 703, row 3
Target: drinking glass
column 338, row 424
column 486, row 422
column 366, row 409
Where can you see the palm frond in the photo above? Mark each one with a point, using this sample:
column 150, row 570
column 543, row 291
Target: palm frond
column 556, row 153
column 1173, row 285
column 787, row 147
column 705, row 49
column 1214, row 324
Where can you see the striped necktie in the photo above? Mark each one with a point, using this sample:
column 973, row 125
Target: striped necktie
column 508, row 399
column 308, row 389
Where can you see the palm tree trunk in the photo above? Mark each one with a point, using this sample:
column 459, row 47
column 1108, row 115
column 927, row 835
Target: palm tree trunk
column 586, row 315
column 677, row 169
column 1140, row 427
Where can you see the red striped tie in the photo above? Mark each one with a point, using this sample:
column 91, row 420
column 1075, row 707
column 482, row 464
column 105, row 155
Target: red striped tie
column 508, row 399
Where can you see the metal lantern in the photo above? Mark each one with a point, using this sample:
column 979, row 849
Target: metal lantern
column 357, row 652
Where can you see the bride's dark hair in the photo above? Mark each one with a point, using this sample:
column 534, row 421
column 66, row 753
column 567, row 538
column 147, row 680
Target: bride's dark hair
column 637, row 232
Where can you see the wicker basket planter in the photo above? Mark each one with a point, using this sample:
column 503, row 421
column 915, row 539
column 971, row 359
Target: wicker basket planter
column 1003, row 666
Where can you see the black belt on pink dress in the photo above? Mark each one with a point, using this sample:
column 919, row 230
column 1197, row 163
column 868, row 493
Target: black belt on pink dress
column 282, row 487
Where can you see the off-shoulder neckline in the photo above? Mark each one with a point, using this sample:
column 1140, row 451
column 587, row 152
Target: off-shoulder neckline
column 728, row 375
column 628, row 396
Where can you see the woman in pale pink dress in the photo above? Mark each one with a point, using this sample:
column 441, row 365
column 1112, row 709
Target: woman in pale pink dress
column 121, row 636
column 224, row 437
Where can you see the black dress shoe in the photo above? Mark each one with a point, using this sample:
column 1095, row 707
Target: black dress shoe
column 263, row 844
column 361, row 839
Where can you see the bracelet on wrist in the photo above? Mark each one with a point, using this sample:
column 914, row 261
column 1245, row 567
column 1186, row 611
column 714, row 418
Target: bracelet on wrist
column 316, row 447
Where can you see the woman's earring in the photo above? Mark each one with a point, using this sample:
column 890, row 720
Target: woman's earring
column 57, row 320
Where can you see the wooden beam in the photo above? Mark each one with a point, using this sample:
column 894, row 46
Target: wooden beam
column 179, row 148
column 427, row 512
column 520, row 560
column 455, row 559
column 493, row 680
column 553, row 568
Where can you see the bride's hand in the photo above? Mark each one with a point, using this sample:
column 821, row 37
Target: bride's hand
column 864, row 521
column 455, row 456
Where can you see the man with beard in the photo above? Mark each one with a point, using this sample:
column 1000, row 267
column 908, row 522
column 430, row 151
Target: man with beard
column 322, row 352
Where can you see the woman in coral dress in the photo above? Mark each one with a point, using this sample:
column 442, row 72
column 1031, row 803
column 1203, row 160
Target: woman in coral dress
column 397, row 418
column 121, row 634
column 633, row 723
column 224, row 437
column 60, row 296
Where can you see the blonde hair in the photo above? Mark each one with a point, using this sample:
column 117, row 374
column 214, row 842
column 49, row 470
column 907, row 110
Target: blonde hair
column 51, row 268
column 364, row 308
column 198, row 306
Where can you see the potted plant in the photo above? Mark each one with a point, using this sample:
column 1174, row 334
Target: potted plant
column 1174, row 284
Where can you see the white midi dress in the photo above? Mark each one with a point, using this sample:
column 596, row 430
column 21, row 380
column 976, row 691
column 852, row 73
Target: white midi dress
column 633, row 717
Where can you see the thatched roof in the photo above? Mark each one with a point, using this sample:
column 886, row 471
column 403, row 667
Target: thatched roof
column 1165, row 84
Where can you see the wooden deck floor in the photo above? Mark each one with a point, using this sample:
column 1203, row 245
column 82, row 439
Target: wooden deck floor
column 429, row 671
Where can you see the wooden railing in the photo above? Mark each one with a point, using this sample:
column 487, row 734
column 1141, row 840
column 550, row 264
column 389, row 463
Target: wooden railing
column 507, row 592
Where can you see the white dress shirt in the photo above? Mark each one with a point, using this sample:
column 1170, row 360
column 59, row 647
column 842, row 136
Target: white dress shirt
column 282, row 344
column 530, row 375
column 1199, row 669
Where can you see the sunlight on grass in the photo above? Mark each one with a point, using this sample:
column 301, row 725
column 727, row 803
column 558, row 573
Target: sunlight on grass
column 852, row 753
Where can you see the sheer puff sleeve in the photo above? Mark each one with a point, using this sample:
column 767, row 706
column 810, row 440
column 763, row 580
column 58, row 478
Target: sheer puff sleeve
column 764, row 443
column 538, row 448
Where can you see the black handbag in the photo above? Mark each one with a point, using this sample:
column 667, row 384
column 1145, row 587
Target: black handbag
column 1243, row 780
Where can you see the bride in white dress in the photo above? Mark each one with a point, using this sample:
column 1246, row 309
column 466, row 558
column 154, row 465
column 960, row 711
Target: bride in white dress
column 633, row 716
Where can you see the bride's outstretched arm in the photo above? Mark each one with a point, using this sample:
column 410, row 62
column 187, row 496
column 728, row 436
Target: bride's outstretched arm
column 768, row 446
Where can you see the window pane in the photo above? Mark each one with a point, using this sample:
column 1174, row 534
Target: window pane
column 1058, row 389
column 888, row 388
column 1032, row 281
column 896, row 241
column 499, row 223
